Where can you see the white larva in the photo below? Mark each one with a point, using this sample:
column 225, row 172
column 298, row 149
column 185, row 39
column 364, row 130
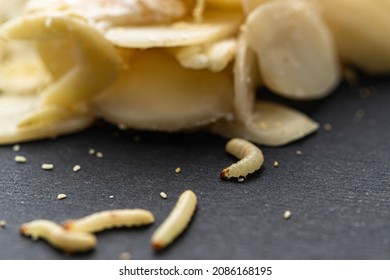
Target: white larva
column 251, row 159
column 110, row 219
column 58, row 237
column 176, row 222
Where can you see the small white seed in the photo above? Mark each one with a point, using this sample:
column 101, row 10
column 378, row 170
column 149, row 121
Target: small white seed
column 163, row 195
column 3, row 223
column 16, row 148
column 287, row 215
column 99, row 155
column 178, row 170
column 47, row 166
column 61, row 196
column 76, row 168
column 20, row 159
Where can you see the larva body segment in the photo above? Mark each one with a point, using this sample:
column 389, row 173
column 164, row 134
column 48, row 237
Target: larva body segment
column 176, row 222
column 58, row 237
column 251, row 159
column 110, row 219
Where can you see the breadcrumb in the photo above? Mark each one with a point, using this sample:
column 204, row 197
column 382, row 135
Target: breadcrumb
column 99, row 155
column 3, row 223
column 276, row 163
column 16, row 148
column 287, row 215
column 47, row 166
column 163, row 195
column 20, row 159
column 328, row 127
column 125, row 256
column 76, row 168
column 298, row 152
column 91, row 151
column 61, row 196
column 178, row 170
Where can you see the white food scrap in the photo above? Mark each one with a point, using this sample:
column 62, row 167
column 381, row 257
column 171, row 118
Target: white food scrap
column 47, row 166
column 76, row 168
column 163, row 195
column 20, row 159
column 61, row 196
column 287, row 215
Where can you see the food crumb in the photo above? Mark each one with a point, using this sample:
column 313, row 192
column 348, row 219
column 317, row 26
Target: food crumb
column 125, row 256
column 276, row 163
column 359, row 114
column 163, row 195
column 328, row 127
column 61, row 196
column 16, row 148
column 20, row 159
column 76, row 168
column 287, row 215
column 241, row 179
column 122, row 126
column 298, row 152
column 91, row 151
column 3, row 223
column 178, row 170
column 111, row 196
column 47, row 166
column 99, row 155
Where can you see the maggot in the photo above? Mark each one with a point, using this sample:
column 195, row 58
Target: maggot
column 176, row 222
column 110, row 219
column 58, row 237
column 251, row 159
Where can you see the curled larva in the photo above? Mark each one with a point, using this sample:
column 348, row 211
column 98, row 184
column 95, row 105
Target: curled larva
column 58, row 237
column 251, row 159
column 176, row 222
column 110, row 219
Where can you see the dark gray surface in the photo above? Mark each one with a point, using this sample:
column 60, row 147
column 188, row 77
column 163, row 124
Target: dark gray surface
column 338, row 191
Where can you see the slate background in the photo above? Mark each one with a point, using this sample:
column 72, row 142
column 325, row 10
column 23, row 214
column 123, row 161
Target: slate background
column 338, row 191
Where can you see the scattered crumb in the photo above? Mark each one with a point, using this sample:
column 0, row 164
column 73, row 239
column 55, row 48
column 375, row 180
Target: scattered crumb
column 368, row 92
column 47, row 166
column 241, row 179
column 3, row 223
column 163, row 195
column 99, row 155
column 359, row 114
column 125, row 256
column 298, row 152
column 20, row 159
column 178, row 170
column 91, row 151
column 111, row 196
column 327, row 127
column 16, row 148
column 287, row 215
column 76, row 168
column 61, row 196
column 350, row 75
column 122, row 126
column 276, row 163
